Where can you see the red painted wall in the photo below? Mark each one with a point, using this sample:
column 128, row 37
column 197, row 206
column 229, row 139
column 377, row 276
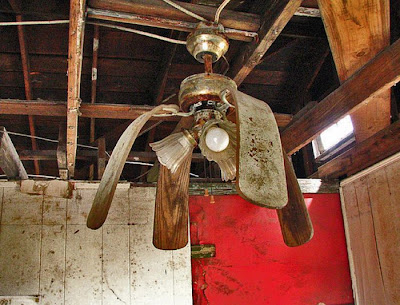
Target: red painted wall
column 253, row 266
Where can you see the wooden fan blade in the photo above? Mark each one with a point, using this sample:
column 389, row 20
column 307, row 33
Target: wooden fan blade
column 172, row 207
column 108, row 183
column 260, row 169
column 294, row 219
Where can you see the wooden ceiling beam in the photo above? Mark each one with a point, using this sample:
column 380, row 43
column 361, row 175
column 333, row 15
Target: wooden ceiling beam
column 75, row 57
column 358, row 30
column 276, row 14
column 157, row 8
column 91, row 155
column 98, row 111
column 383, row 144
column 375, row 77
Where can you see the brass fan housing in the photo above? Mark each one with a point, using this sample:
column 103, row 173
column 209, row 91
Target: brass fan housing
column 207, row 39
column 203, row 87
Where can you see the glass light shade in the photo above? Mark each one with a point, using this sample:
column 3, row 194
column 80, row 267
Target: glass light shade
column 217, row 139
column 172, row 150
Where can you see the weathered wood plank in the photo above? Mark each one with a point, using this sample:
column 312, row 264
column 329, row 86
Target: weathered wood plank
column 62, row 151
column 275, row 16
column 83, row 276
column 376, row 76
column 52, row 188
column 116, row 265
column 383, row 187
column 75, row 56
column 354, row 242
column 358, row 30
column 154, row 8
column 20, row 263
column 10, row 162
column 370, row 274
column 21, row 209
column 52, row 264
column 100, row 111
column 376, row 148
column 54, row 211
column 161, row 22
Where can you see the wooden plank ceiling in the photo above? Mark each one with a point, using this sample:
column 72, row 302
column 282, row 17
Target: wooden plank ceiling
column 287, row 66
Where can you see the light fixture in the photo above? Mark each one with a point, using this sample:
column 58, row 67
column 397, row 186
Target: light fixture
column 217, row 139
column 172, row 150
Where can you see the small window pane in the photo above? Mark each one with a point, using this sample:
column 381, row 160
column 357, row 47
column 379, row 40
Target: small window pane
column 337, row 132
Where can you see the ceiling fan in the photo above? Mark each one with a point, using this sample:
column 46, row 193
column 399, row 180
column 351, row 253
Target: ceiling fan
column 249, row 151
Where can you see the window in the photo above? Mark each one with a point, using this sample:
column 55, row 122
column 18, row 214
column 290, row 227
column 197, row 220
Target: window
column 338, row 133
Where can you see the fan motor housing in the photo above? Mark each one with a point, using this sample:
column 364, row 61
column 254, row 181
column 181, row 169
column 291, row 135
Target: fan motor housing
column 207, row 39
column 203, row 87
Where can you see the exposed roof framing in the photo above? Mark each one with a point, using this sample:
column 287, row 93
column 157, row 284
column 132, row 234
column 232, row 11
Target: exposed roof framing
column 87, row 110
column 275, row 15
column 376, row 76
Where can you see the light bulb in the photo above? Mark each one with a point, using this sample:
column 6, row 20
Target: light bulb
column 217, row 139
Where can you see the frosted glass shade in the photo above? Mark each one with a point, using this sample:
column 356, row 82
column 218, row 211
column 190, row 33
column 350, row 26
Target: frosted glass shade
column 172, row 150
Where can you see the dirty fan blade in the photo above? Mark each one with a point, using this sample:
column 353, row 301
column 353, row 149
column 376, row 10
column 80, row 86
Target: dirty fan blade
column 260, row 170
column 294, row 219
column 108, row 183
column 172, row 207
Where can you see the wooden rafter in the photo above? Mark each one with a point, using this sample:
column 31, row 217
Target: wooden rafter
column 276, row 15
column 75, row 56
column 376, row 76
column 98, row 111
column 156, row 8
column 16, row 6
column 358, row 30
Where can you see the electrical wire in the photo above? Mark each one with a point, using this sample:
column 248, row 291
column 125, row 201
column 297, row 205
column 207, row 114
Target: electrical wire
column 80, row 145
column 38, row 22
column 187, row 12
column 219, row 10
column 163, row 38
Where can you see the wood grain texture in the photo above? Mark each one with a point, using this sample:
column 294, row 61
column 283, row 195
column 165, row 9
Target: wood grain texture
column 294, row 219
column 375, row 77
column 357, row 31
column 100, row 111
column 10, row 162
column 172, row 207
column 66, row 263
column 383, row 188
column 154, row 8
column 259, row 162
column 275, row 16
column 376, row 148
column 75, row 57
column 371, row 210
column 108, row 184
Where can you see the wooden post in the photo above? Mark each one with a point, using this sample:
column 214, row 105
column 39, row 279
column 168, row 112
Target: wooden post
column 10, row 162
column 62, row 151
column 94, row 88
column 75, row 56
